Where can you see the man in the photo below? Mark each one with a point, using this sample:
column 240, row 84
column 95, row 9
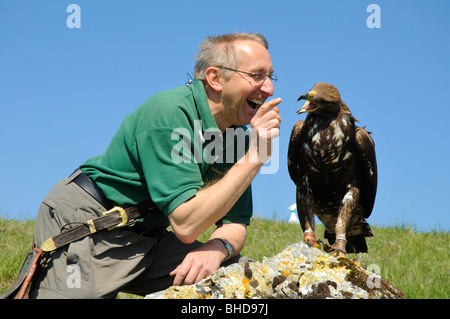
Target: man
column 152, row 158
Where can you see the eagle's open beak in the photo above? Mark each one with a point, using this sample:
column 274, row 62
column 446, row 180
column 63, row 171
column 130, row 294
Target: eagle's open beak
column 308, row 106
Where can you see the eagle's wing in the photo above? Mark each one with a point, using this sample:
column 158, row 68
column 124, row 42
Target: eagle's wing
column 369, row 171
column 294, row 150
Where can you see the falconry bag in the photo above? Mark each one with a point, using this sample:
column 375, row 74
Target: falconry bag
column 37, row 257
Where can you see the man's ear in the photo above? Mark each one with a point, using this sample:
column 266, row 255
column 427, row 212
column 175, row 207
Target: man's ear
column 213, row 78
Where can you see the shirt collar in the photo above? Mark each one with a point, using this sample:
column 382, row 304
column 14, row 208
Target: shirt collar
column 202, row 104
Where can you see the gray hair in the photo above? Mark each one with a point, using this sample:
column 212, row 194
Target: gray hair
column 219, row 51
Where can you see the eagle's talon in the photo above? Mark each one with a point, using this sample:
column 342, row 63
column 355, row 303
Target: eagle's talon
column 338, row 252
column 310, row 240
column 312, row 243
column 325, row 247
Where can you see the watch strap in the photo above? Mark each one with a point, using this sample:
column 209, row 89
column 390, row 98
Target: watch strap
column 228, row 247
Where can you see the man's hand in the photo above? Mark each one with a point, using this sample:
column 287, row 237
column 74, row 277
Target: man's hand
column 200, row 263
column 265, row 126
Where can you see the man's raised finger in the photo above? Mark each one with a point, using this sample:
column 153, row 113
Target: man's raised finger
column 266, row 107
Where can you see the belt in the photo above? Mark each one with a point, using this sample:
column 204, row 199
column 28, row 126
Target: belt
column 112, row 219
column 88, row 185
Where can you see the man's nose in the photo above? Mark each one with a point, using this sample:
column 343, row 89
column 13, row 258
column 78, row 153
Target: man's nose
column 267, row 87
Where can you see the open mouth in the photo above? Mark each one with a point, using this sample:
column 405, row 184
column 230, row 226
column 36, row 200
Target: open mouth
column 254, row 103
column 307, row 107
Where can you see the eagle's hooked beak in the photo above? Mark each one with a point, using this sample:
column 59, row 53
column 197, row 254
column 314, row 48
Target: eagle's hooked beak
column 308, row 106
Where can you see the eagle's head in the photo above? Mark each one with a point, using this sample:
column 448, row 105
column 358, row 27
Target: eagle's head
column 322, row 98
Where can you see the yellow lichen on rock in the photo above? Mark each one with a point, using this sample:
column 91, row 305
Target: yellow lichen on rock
column 297, row 272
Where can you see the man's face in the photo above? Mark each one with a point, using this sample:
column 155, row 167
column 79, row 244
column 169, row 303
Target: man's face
column 241, row 94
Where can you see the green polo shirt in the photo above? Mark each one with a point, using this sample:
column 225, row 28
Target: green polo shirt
column 166, row 151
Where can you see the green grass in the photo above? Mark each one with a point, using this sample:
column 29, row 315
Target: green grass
column 16, row 238
column 415, row 262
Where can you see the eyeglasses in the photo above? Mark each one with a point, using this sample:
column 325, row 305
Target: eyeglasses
column 259, row 77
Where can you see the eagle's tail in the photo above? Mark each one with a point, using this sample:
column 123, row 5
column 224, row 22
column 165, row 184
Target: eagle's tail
column 355, row 243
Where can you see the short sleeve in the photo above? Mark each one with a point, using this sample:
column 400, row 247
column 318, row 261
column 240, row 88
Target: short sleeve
column 166, row 157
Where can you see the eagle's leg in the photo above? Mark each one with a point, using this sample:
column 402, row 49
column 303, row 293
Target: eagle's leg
column 307, row 221
column 342, row 224
column 308, row 226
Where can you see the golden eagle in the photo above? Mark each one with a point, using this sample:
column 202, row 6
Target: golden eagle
column 332, row 161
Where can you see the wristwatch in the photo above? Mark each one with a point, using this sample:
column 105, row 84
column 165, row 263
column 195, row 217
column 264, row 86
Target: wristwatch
column 227, row 247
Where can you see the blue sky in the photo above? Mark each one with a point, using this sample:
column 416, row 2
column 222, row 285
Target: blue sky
column 65, row 91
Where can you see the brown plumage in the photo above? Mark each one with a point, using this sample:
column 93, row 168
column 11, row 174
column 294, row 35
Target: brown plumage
column 333, row 164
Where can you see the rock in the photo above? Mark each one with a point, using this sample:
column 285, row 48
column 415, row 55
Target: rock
column 298, row 272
